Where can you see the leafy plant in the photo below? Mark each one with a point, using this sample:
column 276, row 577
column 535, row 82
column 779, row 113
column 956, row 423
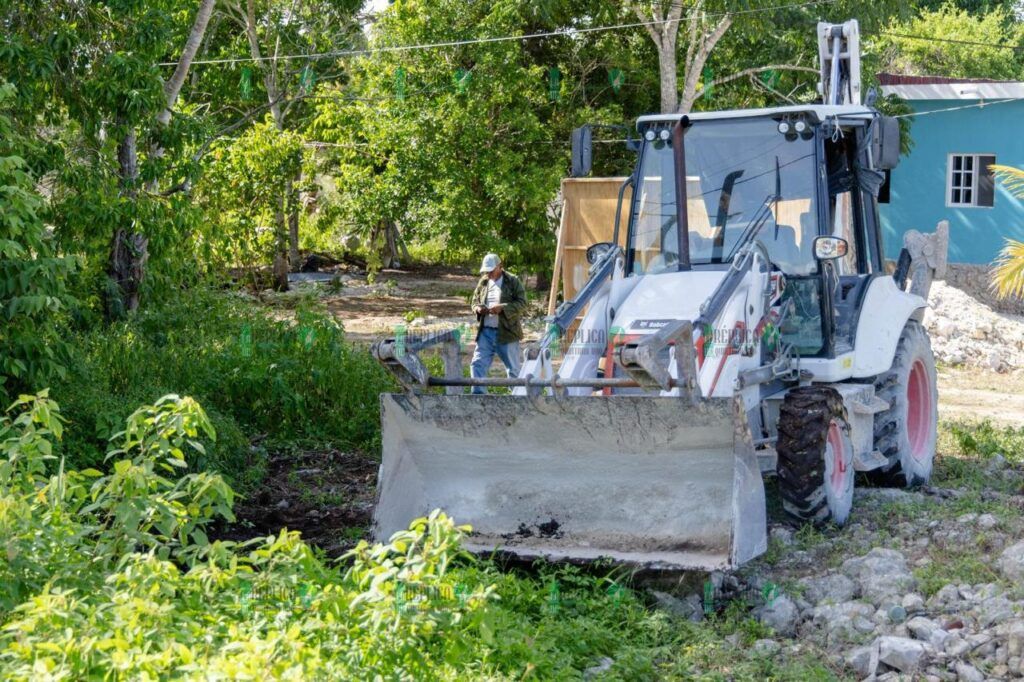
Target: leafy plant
column 33, row 279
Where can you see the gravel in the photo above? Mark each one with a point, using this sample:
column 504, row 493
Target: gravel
column 965, row 331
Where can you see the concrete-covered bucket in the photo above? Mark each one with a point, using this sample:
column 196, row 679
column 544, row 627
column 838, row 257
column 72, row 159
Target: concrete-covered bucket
column 648, row 481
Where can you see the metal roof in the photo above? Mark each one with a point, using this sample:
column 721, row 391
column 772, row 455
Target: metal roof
column 904, row 79
column 942, row 87
column 822, row 111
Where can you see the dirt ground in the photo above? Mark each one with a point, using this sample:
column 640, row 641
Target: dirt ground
column 436, row 296
column 326, row 495
column 977, row 394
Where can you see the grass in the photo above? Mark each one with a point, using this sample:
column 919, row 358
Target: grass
column 954, row 568
column 294, row 381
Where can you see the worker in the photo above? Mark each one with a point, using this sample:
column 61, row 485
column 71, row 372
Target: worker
column 498, row 302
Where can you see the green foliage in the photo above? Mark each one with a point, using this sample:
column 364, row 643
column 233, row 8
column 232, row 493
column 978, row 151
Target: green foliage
column 290, row 380
column 33, row 291
column 473, row 164
column 88, row 81
column 963, row 60
column 248, row 187
column 53, row 522
column 1008, row 275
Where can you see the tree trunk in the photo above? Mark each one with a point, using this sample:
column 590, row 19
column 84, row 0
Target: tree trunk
column 269, row 71
column 668, row 75
column 129, row 249
column 195, row 38
column 281, row 246
column 293, row 225
column 664, row 33
column 172, row 88
column 700, row 42
column 391, row 245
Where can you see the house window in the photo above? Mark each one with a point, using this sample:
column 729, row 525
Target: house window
column 969, row 180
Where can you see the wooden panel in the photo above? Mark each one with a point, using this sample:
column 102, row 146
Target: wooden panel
column 588, row 217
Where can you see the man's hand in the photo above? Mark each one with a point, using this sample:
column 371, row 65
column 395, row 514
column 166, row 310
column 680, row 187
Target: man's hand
column 480, row 309
column 496, row 310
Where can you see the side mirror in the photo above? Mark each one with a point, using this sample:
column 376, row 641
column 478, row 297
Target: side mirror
column 596, row 251
column 886, row 145
column 582, row 151
column 829, row 248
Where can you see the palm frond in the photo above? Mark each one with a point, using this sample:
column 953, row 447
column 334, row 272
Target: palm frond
column 1012, row 178
column 1008, row 274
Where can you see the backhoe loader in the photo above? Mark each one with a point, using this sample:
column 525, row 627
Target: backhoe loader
column 748, row 326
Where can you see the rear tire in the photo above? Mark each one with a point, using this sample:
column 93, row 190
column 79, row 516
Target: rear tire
column 815, row 453
column 906, row 432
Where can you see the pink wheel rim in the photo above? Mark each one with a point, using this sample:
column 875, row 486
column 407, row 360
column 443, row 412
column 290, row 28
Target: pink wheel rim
column 837, row 445
column 919, row 410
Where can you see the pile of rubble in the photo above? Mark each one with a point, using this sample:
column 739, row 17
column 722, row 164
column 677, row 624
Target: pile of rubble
column 966, row 332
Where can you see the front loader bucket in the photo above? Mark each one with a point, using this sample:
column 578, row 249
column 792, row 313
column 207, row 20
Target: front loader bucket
column 641, row 480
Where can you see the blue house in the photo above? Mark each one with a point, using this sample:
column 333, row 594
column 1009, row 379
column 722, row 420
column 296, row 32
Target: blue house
column 960, row 127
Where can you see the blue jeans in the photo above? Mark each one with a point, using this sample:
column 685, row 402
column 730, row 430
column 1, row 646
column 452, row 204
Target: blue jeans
column 486, row 346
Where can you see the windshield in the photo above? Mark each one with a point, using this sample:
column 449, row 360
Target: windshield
column 741, row 175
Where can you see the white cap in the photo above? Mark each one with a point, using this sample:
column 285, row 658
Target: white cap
column 491, row 261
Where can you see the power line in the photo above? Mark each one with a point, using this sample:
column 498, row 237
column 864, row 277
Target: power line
column 965, row 106
column 954, row 41
column 490, row 40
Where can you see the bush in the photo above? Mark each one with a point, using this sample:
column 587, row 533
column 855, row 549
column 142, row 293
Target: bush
column 289, row 380
column 114, row 575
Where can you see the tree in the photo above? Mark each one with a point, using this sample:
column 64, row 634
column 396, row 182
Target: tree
column 946, row 57
column 33, row 281
column 275, row 33
column 95, row 88
column 703, row 32
column 447, row 144
column 242, row 185
column 757, row 41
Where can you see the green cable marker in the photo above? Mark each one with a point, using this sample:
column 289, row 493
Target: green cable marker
column 554, row 84
column 400, row 84
column 307, row 78
column 461, row 80
column 616, row 78
column 708, row 76
column 246, row 83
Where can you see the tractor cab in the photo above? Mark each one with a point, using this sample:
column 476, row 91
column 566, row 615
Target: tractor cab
column 782, row 177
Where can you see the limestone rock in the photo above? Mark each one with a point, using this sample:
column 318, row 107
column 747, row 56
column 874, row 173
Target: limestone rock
column 903, row 654
column 881, row 574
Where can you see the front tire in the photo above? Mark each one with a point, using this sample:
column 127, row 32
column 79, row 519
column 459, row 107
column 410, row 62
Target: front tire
column 906, row 432
column 815, row 453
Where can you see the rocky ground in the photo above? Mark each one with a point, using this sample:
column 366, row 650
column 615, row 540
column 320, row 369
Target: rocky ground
column 925, row 584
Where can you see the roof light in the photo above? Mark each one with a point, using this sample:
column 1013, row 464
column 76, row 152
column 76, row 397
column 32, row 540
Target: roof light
column 783, row 127
column 800, row 126
column 664, row 134
column 649, row 135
